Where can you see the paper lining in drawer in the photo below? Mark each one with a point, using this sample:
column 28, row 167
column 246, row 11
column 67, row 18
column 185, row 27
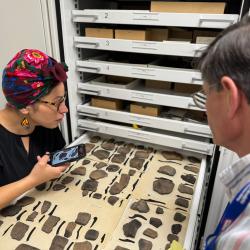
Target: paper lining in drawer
column 153, row 177
column 162, row 233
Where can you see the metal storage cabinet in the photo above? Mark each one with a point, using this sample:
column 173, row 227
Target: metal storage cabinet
column 84, row 56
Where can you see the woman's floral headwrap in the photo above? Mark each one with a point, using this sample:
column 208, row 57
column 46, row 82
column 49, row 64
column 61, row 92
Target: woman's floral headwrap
column 29, row 76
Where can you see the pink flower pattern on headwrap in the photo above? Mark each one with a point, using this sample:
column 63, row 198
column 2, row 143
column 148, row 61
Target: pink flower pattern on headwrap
column 36, row 58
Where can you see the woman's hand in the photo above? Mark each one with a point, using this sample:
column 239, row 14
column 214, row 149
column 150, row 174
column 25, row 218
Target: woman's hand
column 43, row 172
column 40, row 173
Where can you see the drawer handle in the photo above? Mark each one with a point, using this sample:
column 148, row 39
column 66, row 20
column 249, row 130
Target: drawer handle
column 196, row 79
column 89, row 129
column 200, row 50
column 143, row 48
column 95, row 17
column 89, row 114
column 145, row 19
column 143, row 74
column 90, row 43
column 97, row 69
column 203, row 151
column 204, row 19
column 91, row 92
column 141, row 98
column 146, row 16
column 188, row 131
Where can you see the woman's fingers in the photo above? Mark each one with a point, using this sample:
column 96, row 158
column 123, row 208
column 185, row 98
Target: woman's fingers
column 44, row 159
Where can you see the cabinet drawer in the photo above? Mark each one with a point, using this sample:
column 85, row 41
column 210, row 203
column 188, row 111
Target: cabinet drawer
column 137, row 17
column 194, row 207
column 141, row 71
column 173, row 48
column 167, row 99
column 186, row 143
column 147, row 121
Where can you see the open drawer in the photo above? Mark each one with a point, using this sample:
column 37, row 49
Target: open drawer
column 54, row 218
column 146, row 178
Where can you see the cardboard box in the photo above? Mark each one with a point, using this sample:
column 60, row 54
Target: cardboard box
column 116, row 82
column 144, row 109
column 106, row 103
column 196, row 116
column 99, row 32
column 157, row 84
column 204, row 39
column 188, row 7
column 157, row 35
column 186, row 88
column 143, row 35
column 203, row 36
column 119, row 79
column 179, row 34
column 131, row 34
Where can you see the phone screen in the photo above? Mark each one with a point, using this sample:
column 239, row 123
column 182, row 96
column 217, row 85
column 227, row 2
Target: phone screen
column 67, row 155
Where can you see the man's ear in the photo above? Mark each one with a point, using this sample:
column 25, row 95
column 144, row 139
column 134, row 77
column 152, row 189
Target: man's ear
column 232, row 95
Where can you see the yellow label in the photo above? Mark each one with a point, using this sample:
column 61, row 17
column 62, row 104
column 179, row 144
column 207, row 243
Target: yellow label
column 176, row 246
column 135, row 126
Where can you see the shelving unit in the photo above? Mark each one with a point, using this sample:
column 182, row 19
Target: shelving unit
column 86, row 61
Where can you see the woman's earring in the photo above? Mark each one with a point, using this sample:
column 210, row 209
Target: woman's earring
column 25, row 123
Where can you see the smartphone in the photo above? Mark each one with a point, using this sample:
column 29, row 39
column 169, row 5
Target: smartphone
column 67, row 155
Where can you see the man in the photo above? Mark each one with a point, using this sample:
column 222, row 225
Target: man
column 225, row 67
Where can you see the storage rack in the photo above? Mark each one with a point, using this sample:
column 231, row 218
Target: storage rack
column 80, row 54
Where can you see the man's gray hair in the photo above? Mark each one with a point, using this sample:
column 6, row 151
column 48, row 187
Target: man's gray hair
column 229, row 55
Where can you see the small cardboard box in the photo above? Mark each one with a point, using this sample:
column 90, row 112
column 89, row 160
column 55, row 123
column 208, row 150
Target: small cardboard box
column 144, row 109
column 106, row 103
column 204, row 39
column 157, row 35
column 152, row 84
column 119, row 79
column 131, row 34
column 99, row 32
column 188, row 7
column 186, row 88
column 143, row 35
column 204, row 36
column 179, row 34
column 195, row 116
column 116, row 81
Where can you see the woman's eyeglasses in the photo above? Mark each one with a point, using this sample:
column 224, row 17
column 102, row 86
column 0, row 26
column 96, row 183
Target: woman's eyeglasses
column 57, row 103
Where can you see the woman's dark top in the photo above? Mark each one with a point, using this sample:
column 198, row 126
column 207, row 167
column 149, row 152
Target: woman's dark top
column 15, row 162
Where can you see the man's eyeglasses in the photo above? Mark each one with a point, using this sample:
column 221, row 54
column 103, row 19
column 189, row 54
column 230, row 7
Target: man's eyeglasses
column 57, row 103
column 200, row 97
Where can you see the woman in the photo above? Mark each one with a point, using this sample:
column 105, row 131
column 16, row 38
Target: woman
column 33, row 87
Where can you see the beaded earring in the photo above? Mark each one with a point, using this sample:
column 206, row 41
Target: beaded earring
column 25, row 123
